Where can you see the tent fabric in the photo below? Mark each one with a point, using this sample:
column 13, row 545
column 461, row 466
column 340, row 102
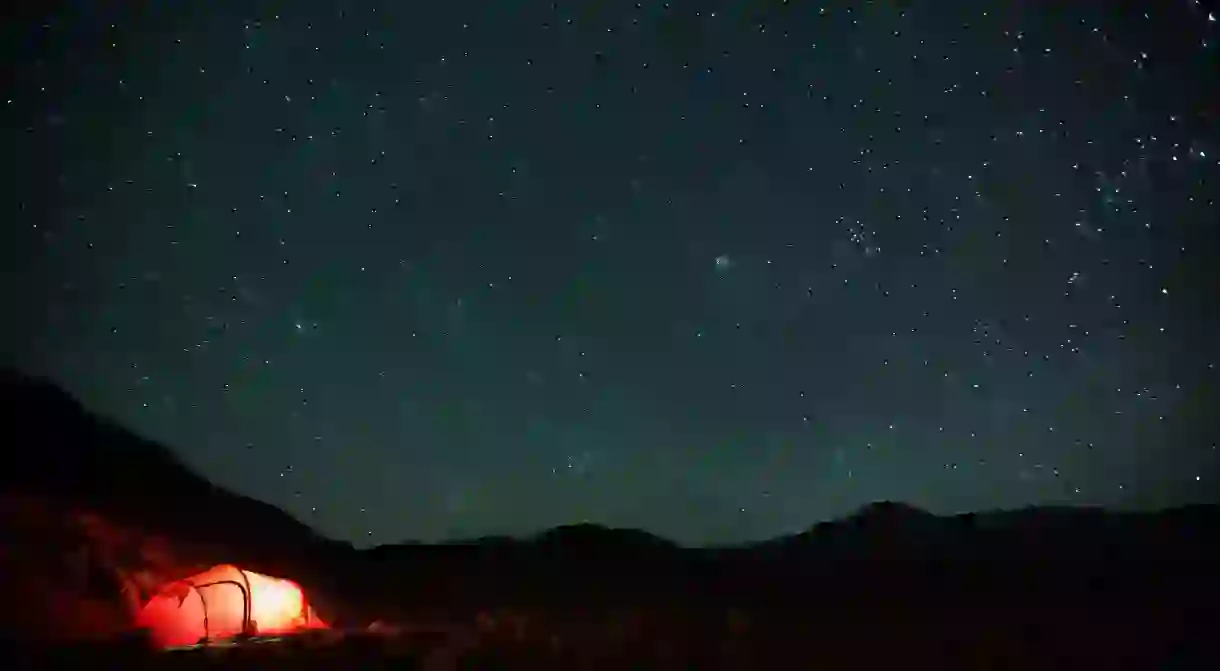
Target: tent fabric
column 223, row 602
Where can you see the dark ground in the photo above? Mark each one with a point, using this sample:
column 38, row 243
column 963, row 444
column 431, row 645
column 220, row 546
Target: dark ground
column 95, row 518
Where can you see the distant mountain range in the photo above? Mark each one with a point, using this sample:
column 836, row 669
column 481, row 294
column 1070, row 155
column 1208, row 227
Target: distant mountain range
column 94, row 518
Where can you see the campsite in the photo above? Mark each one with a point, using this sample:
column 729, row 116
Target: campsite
column 120, row 556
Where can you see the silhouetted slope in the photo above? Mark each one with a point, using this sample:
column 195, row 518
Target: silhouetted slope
column 70, row 454
column 888, row 531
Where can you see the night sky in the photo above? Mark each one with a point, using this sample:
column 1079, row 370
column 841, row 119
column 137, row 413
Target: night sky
column 715, row 270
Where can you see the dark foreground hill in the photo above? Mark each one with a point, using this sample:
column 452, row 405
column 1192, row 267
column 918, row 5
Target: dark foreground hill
column 94, row 519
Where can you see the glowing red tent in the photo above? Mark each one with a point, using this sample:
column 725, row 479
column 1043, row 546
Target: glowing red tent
column 225, row 601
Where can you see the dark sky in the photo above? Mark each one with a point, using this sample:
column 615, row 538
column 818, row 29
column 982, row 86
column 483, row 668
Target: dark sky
column 715, row 270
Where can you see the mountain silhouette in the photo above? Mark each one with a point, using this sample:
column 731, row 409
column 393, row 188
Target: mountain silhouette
column 78, row 458
column 94, row 519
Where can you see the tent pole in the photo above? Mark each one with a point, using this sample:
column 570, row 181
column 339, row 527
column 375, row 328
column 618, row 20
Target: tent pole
column 245, row 604
column 207, row 630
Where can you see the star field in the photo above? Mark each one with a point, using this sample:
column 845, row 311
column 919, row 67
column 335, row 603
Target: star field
column 715, row 270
